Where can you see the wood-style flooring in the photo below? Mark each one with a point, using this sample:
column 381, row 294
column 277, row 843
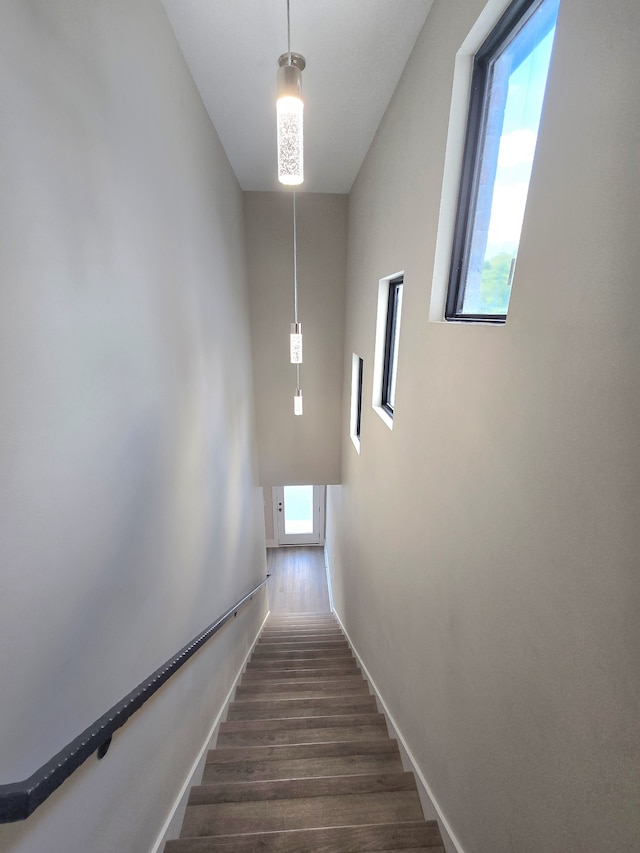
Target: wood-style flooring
column 298, row 581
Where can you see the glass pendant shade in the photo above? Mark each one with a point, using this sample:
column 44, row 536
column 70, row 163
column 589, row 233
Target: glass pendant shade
column 297, row 402
column 296, row 343
column 289, row 110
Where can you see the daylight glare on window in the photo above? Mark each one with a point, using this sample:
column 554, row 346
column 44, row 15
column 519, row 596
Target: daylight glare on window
column 517, row 77
column 298, row 509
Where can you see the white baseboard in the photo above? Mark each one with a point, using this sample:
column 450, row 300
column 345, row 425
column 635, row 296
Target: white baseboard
column 183, row 794
column 451, row 843
column 328, row 573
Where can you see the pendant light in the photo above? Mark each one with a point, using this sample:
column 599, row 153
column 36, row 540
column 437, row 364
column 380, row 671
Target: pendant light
column 289, row 110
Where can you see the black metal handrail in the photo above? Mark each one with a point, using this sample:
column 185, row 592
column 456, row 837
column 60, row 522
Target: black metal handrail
column 19, row 799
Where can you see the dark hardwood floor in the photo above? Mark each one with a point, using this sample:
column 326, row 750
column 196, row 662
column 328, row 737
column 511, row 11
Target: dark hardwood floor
column 298, row 580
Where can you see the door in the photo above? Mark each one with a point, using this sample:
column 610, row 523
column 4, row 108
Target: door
column 299, row 515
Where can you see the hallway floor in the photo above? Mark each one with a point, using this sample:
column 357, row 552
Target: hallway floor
column 298, row 580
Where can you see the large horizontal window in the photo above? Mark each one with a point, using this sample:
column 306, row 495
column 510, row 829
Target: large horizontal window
column 507, row 93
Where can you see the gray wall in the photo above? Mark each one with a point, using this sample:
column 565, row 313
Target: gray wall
column 484, row 553
column 302, row 450
column 131, row 515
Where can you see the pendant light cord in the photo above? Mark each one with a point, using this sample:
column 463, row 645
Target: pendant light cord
column 295, row 277
column 295, row 262
column 288, row 32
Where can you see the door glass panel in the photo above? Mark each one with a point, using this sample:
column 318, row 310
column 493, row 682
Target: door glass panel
column 298, row 509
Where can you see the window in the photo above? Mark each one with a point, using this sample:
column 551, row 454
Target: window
column 385, row 364
column 357, row 370
column 391, row 339
column 507, row 92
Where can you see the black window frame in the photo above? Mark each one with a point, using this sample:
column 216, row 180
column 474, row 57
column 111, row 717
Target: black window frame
column 358, row 425
column 505, row 31
column 391, row 333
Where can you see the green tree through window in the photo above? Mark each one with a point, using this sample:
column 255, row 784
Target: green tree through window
column 495, row 283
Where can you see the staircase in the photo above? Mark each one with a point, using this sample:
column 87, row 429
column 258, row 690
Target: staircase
column 304, row 761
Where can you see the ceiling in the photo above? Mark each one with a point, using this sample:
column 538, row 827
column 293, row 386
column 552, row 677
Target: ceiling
column 355, row 52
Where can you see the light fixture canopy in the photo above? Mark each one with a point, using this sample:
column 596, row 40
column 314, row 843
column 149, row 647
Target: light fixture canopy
column 289, row 110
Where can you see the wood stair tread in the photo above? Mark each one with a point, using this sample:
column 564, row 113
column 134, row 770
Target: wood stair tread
column 300, row 768
column 299, row 645
column 333, row 655
column 311, row 636
column 313, row 679
column 269, row 709
column 300, row 813
column 315, row 660
column 290, row 737
column 304, row 692
column 292, row 788
column 319, row 664
column 437, row 849
column 327, row 749
column 368, row 838
column 297, row 614
column 301, row 627
column 284, row 636
column 277, row 685
column 318, row 670
column 282, row 644
column 313, row 721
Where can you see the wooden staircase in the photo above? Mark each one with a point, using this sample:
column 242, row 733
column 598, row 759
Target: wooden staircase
column 304, row 761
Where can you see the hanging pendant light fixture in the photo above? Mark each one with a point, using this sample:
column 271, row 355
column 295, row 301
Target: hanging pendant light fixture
column 289, row 110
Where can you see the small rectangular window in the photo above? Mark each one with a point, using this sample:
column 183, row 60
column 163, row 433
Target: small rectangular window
column 357, row 370
column 392, row 337
column 385, row 359
column 359, row 397
column 507, row 92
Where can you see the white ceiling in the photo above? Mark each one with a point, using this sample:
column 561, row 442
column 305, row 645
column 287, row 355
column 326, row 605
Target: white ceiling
column 355, row 52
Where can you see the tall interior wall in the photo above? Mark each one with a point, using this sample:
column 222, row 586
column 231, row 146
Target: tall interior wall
column 297, row 450
column 484, row 553
column 129, row 498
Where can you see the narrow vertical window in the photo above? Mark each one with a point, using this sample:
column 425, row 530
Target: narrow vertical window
column 357, row 371
column 392, row 337
column 359, row 397
column 507, row 93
